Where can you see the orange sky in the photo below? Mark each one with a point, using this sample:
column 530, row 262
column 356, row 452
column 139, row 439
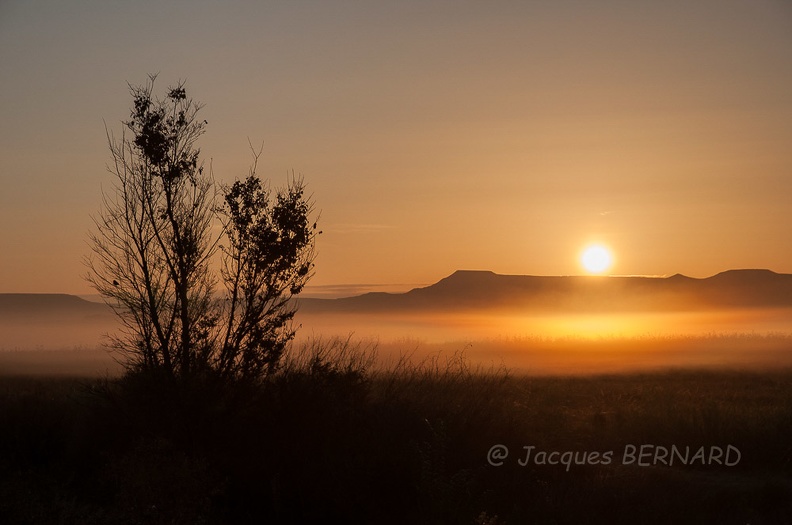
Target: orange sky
column 434, row 135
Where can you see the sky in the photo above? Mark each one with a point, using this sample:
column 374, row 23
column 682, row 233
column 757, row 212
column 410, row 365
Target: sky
column 434, row 136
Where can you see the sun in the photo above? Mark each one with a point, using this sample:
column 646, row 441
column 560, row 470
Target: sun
column 596, row 258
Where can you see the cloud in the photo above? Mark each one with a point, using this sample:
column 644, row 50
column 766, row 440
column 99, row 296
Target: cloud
column 331, row 291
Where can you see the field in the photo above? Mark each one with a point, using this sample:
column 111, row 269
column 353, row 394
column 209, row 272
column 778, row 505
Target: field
column 336, row 438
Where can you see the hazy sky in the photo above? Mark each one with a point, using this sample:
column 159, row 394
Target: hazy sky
column 434, row 135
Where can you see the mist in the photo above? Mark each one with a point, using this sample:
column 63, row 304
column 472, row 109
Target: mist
column 52, row 343
column 573, row 343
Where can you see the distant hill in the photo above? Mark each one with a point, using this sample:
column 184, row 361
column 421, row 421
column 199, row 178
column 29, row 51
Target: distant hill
column 20, row 307
column 484, row 290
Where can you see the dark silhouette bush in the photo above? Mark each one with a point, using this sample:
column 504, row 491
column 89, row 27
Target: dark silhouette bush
column 326, row 441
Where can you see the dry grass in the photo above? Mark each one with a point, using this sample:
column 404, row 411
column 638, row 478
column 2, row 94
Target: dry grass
column 346, row 434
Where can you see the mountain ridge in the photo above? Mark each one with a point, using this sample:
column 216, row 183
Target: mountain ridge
column 483, row 289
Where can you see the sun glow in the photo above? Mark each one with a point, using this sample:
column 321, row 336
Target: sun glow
column 596, row 258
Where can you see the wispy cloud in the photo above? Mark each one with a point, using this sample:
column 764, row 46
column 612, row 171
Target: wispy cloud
column 330, row 291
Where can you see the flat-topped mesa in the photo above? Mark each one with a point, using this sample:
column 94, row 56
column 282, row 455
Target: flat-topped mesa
column 746, row 275
column 469, row 275
column 470, row 281
column 486, row 290
column 750, row 287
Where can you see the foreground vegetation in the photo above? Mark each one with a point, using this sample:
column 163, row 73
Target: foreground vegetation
column 331, row 438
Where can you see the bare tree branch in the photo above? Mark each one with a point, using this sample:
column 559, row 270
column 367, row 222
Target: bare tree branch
column 152, row 249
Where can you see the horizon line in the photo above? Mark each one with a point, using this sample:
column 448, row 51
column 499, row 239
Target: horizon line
column 363, row 288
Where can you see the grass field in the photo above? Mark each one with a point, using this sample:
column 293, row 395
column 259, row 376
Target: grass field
column 335, row 439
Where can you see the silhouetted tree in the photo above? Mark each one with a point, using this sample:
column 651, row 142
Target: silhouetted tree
column 154, row 247
column 268, row 259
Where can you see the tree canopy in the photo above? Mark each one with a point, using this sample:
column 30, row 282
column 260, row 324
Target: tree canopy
column 202, row 276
